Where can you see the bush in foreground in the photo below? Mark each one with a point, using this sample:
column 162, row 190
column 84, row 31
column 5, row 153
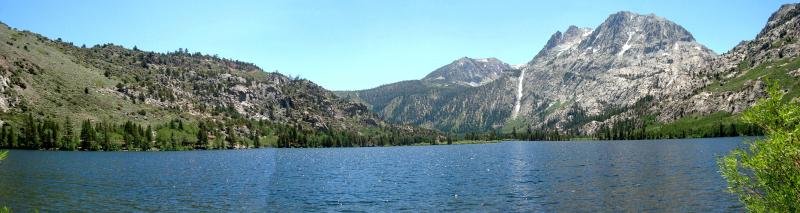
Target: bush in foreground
column 766, row 176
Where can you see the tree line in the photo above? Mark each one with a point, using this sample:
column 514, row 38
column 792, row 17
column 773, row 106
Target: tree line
column 179, row 134
column 622, row 130
column 637, row 130
column 529, row 134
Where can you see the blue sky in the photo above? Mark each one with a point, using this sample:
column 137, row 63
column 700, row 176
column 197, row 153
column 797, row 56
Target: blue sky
column 359, row 44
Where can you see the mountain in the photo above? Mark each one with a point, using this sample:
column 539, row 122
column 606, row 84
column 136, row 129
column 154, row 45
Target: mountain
column 591, row 75
column 443, row 100
column 468, row 72
column 738, row 78
column 52, row 79
column 581, row 78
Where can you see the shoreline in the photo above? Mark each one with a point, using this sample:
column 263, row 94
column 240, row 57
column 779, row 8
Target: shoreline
column 461, row 142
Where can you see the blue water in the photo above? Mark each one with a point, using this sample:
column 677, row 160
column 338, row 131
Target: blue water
column 664, row 176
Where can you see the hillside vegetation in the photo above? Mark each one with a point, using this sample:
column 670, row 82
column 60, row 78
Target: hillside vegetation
column 133, row 99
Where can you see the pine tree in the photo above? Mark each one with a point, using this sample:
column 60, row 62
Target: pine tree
column 173, row 141
column 87, row 136
column 68, row 138
column 106, row 137
column 13, row 138
column 3, row 141
column 202, row 135
column 231, row 138
column 149, row 135
column 3, row 136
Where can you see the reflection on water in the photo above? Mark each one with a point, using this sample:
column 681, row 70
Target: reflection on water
column 671, row 175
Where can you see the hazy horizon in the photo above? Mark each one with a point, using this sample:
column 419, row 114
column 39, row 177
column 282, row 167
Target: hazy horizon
column 350, row 45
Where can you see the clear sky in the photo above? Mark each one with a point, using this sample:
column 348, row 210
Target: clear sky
column 359, row 44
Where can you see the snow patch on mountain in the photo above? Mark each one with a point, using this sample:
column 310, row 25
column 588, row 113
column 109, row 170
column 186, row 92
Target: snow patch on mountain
column 627, row 44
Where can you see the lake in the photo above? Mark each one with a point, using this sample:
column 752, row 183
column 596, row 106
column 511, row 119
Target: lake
column 660, row 175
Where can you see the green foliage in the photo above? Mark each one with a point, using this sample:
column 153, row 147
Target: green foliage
column 178, row 134
column 3, row 154
column 88, row 136
column 766, row 177
column 720, row 124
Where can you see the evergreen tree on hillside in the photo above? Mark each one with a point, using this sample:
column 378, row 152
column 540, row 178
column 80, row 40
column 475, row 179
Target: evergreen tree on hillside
column 149, row 135
column 88, row 136
column 68, row 138
column 231, row 138
column 12, row 139
column 202, row 135
column 3, row 132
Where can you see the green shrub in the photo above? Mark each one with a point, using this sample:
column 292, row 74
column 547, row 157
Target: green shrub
column 766, row 177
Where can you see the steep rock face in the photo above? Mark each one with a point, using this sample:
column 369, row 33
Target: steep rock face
column 628, row 58
column 468, row 72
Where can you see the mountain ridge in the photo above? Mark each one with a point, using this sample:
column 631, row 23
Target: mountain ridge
column 55, row 80
column 467, row 71
column 585, row 80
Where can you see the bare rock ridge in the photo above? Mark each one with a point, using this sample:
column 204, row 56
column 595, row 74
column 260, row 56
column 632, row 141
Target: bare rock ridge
column 560, row 42
column 776, row 40
column 623, row 30
column 782, row 21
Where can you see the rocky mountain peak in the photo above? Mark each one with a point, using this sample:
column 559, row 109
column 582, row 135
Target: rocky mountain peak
column 468, row 71
column 560, row 42
column 571, row 35
column 623, row 30
column 778, row 40
column 787, row 13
